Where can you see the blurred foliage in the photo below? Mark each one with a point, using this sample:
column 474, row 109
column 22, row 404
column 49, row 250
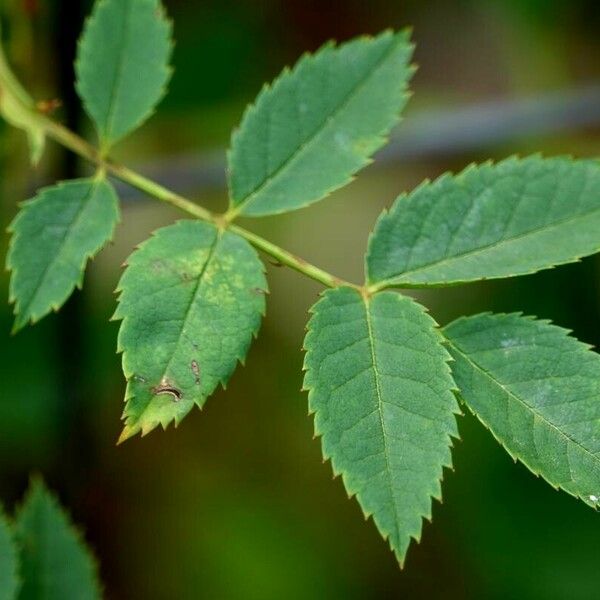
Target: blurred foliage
column 236, row 504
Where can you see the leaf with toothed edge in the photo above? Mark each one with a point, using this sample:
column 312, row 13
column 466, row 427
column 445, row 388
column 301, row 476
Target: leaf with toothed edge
column 191, row 300
column 9, row 578
column 538, row 391
column 319, row 123
column 382, row 394
column 53, row 237
column 55, row 561
column 123, row 65
column 492, row 220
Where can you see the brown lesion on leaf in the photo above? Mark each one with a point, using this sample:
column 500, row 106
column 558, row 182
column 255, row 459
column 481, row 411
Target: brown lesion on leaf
column 165, row 387
column 196, row 371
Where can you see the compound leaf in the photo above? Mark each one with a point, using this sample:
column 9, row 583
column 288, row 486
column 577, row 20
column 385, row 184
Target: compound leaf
column 54, row 235
column 318, row 124
column 513, row 218
column 382, row 394
column 123, row 65
column 192, row 298
column 9, row 580
column 55, row 562
column 538, row 390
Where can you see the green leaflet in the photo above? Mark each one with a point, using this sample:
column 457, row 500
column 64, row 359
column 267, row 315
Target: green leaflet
column 55, row 562
column 53, row 237
column 9, row 581
column 191, row 300
column 123, row 65
column 538, row 391
column 318, row 124
column 381, row 391
column 490, row 221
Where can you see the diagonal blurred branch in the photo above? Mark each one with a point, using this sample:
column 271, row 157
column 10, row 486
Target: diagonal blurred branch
column 480, row 126
column 432, row 133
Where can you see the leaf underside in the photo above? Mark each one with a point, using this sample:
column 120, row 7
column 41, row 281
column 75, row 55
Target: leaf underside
column 538, row 390
column 492, row 220
column 54, row 235
column 318, row 124
column 123, row 65
column 55, row 562
column 9, row 580
column 380, row 387
column 191, row 301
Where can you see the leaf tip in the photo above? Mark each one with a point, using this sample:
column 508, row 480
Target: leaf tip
column 18, row 325
column 127, row 433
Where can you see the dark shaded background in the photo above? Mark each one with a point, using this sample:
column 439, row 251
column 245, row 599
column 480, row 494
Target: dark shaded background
column 237, row 504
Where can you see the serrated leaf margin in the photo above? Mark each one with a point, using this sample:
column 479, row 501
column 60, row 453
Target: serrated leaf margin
column 306, row 387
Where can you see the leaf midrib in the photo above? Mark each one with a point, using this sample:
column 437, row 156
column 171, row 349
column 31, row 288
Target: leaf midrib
column 526, row 406
column 193, row 297
column 380, row 403
column 398, row 278
column 184, row 321
column 313, row 135
column 118, row 76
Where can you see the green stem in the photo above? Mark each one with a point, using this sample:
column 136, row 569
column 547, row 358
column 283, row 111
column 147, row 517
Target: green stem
column 11, row 87
column 72, row 141
column 76, row 144
column 287, row 258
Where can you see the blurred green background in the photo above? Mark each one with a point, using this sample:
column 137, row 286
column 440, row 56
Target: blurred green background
column 237, row 504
